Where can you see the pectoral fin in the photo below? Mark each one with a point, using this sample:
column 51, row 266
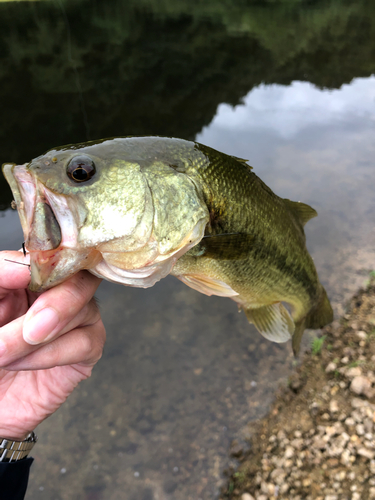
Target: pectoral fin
column 225, row 246
column 273, row 322
column 208, row 286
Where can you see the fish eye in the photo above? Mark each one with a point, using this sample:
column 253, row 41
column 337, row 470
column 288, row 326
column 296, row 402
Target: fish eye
column 81, row 169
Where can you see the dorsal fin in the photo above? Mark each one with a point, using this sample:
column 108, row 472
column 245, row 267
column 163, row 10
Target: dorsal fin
column 241, row 160
column 301, row 211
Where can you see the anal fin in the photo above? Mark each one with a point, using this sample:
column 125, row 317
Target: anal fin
column 273, row 322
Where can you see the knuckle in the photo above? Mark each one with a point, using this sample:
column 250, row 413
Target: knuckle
column 92, row 314
column 86, row 346
column 74, row 291
column 3, row 364
column 85, row 283
column 98, row 342
column 97, row 354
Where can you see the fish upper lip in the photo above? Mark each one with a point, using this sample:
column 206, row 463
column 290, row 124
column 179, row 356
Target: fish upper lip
column 28, row 192
column 23, row 188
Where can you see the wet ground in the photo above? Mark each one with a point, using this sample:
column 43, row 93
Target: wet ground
column 183, row 374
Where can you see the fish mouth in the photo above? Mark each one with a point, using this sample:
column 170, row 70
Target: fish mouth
column 41, row 229
column 50, row 230
column 24, row 192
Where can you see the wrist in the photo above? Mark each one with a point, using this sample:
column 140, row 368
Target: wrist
column 14, row 434
column 13, row 437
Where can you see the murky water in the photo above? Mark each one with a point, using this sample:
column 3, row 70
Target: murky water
column 183, row 374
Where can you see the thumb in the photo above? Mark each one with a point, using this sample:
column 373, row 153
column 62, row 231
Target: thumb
column 14, row 275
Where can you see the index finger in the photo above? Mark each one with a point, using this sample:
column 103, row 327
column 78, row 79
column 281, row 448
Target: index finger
column 13, row 276
column 56, row 307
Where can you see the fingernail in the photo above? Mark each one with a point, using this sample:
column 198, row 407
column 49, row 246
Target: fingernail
column 40, row 326
column 3, row 348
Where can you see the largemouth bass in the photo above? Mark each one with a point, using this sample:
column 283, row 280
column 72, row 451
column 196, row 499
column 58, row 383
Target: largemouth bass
column 134, row 209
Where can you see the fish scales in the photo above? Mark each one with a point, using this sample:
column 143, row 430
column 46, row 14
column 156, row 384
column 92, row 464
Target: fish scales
column 241, row 203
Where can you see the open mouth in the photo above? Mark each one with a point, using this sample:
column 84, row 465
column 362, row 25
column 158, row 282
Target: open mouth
column 41, row 229
column 50, row 230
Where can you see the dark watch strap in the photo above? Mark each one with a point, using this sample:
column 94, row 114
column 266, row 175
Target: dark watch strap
column 11, row 451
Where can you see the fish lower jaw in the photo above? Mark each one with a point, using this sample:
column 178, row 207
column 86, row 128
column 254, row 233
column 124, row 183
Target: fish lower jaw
column 52, row 267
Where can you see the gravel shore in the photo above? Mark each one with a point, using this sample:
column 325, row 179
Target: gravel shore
column 318, row 440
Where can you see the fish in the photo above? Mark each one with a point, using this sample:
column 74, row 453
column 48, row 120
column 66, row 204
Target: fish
column 134, row 209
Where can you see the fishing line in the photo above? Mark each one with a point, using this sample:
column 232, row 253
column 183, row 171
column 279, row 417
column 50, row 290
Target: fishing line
column 73, row 64
column 24, row 254
column 15, row 262
column 21, row 263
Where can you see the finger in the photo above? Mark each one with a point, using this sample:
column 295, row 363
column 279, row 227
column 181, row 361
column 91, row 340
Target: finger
column 87, row 316
column 12, row 306
column 13, row 276
column 57, row 307
column 83, row 346
column 13, row 347
column 12, row 344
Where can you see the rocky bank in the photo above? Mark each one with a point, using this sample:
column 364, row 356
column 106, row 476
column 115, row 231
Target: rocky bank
column 318, row 440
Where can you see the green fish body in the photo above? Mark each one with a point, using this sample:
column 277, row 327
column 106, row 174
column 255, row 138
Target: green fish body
column 133, row 210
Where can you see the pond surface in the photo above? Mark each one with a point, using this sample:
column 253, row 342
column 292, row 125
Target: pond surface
column 287, row 86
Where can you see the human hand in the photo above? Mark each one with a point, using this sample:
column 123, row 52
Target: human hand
column 43, row 357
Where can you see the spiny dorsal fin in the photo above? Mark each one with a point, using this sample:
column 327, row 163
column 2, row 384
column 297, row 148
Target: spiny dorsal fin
column 273, row 322
column 301, row 211
column 241, row 160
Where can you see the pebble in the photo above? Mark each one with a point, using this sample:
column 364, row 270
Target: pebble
column 333, row 406
column 361, row 385
column 364, row 452
column 289, row 452
column 331, row 367
column 247, row 496
column 355, row 371
column 362, row 335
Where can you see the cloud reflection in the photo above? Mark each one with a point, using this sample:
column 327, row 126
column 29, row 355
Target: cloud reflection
column 287, row 110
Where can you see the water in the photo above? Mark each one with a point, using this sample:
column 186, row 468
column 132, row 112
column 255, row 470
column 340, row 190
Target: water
column 287, row 86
